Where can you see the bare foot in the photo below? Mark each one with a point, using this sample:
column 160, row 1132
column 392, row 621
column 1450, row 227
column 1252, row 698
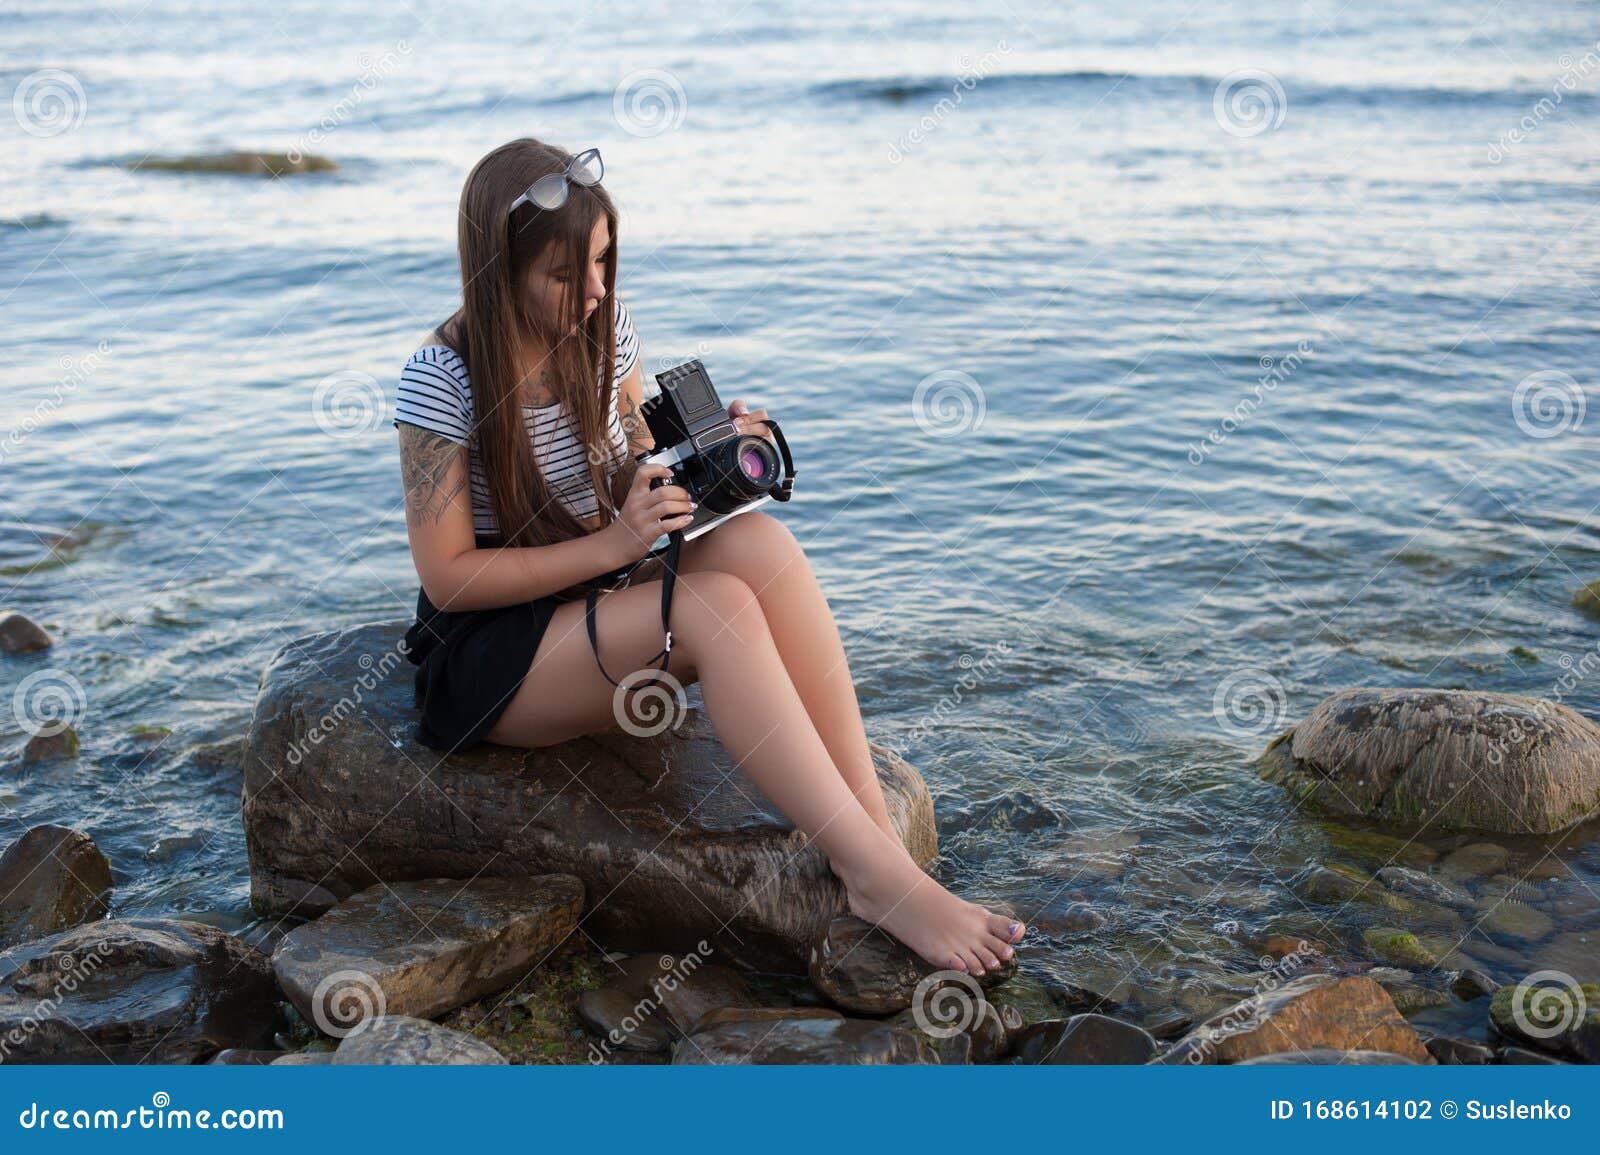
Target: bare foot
column 948, row 932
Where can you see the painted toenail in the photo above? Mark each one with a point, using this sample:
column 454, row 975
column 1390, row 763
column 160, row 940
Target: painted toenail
column 1012, row 928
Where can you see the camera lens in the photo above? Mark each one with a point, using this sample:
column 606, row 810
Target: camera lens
column 741, row 470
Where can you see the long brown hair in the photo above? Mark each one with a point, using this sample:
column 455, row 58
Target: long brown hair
column 497, row 246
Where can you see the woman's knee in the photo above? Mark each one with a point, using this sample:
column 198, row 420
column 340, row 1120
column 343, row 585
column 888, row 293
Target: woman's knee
column 715, row 603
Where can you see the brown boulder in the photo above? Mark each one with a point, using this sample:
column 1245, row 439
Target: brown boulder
column 803, row 1041
column 50, row 878
column 1316, row 1012
column 671, row 842
column 20, row 634
column 134, row 991
column 423, row 948
column 1446, row 759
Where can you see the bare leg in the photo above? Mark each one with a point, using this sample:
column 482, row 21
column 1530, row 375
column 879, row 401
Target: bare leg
column 760, row 550
column 727, row 646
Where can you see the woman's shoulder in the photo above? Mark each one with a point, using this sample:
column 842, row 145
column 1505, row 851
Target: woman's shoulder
column 627, row 353
column 435, row 390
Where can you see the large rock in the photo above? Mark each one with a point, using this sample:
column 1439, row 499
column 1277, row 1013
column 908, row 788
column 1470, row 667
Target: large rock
column 672, row 843
column 423, row 948
column 1306, row 1014
column 1553, row 1014
column 404, row 1041
column 1447, row 759
column 20, row 634
column 51, row 878
column 804, row 1041
column 1084, row 1039
column 134, row 991
column 865, row 969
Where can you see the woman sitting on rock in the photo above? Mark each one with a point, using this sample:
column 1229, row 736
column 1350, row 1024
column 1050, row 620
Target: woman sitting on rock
column 514, row 415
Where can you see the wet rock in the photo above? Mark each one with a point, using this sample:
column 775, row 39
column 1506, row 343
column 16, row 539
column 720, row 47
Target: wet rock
column 20, row 634
column 1343, row 1014
column 1337, row 884
column 1169, row 1023
column 1576, row 953
column 304, row 1059
column 830, row 1041
column 657, row 818
column 616, row 1017
column 405, row 1041
column 51, row 746
column 1513, row 919
column 862, row 968
column 51, row 878
column 1559, row 1018
column 1475, row 860
column 1411, row 998
column 238, row 163
column 961, row 1029
column 1456, row 1052
column 168, row 847
column 1024, row 999
column 1088, row 1038
column 1015, row 810
column 1328, row 1056
column 1284, row 946
column 135, row 991
column 1522, row 1057
column 1400, row 947
column 243, row 1057
column 423, row 948
column 1454, row 759
column 723, row 1015
column 1587, row 599
column 683, row 989
column 1379, row 850
column 1471, row 984
column 1420, row 884
column 1067, row 919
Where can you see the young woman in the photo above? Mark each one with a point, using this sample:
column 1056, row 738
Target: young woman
column 514, row 416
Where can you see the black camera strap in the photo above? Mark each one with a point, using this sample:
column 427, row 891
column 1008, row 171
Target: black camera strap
column 669, row 559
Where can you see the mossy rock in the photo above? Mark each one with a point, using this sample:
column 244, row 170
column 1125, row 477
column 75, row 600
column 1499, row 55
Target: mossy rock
column 1400, row 947
column 1587, row 599
column 273, row 164
column 1337, row 883
column 1564, row 1019
column 1382, row 849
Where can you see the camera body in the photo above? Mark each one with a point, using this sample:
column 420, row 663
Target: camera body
column 726, row 472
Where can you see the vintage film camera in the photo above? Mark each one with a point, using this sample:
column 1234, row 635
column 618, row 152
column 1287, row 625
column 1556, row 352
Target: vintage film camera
column 725, row 471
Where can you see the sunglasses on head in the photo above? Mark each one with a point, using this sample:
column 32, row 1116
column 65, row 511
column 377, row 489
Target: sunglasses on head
column 550, row 192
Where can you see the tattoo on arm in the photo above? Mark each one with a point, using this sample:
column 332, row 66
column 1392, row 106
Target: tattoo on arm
column 634, row 424
column 426, row 460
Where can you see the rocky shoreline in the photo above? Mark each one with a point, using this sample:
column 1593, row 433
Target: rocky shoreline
column 629, row 898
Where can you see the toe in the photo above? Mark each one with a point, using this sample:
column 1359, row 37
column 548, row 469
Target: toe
column 974, row 964
column 987, row 958
column 957, row 963
column 1005, row 928
column 998, row 947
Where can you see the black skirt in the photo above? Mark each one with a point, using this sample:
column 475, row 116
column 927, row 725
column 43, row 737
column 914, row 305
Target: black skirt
column 470, row 664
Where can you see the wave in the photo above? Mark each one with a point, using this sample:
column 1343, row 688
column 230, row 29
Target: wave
column 899, row 90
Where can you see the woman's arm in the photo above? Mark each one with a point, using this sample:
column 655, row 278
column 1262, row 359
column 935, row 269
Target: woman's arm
column 455, row 574
column 630, row 397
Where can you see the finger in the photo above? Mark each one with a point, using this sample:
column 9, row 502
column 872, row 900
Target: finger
column 736, row 407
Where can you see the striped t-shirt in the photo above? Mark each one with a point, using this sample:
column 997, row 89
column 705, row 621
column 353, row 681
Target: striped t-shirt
column 435, row 394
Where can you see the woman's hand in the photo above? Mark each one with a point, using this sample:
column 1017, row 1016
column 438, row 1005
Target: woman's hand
column 648, row 513
column 747, row 420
